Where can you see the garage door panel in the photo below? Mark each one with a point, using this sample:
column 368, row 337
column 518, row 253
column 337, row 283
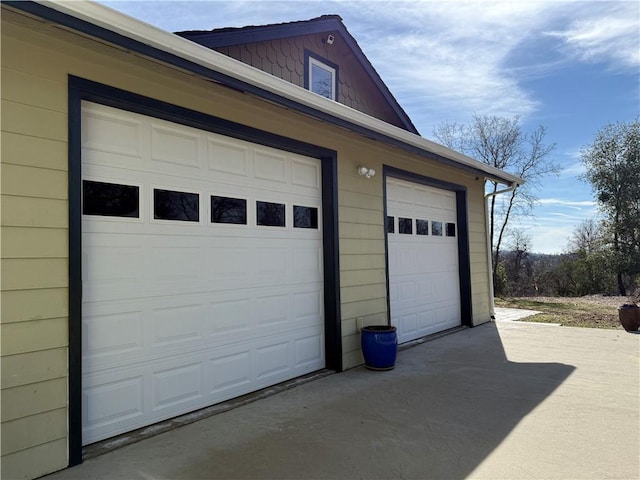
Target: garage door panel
column 307, row 307
column 229, row 318
column 182, row 384
column 408, row 323
column 113, row 265
column 272, row 311
column 308, row 352
column 272, row 262
column 109, row 399
column 178, row 385
column 426, row 320
column 270, row 166
column 272, row 360
column 112, row 335
column 228, row 158
column 178, row 325
column 175, row 146
column 111, row 132
column 229, row 268
column 230, row 374
column 306, row 174
column 176, row 266
column 306, row 263
column 424, row 289
column 178, row 315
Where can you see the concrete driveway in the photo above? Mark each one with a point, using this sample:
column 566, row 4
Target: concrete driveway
column 505, row 400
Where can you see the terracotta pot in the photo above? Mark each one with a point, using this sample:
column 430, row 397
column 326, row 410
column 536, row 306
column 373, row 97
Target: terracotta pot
column 629, row 316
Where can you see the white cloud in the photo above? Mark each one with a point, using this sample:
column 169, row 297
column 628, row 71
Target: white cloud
column 551, row 240
column 608, row 32
column 438, row 56
column 573, row 170
column 450, row 57
column 566, row 203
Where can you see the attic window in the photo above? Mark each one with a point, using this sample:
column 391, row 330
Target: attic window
column 321, row 78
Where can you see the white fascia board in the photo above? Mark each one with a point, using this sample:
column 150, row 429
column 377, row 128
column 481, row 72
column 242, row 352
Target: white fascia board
column 162, row 40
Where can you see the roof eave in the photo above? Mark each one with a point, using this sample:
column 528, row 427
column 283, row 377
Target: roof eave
column 107, row 24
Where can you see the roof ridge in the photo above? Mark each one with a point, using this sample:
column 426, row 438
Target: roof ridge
column 321, row 18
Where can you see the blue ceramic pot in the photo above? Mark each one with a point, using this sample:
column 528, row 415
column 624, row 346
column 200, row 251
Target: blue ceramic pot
column 379, row 346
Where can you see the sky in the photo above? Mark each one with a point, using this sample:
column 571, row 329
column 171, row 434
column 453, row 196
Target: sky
column 570, row 66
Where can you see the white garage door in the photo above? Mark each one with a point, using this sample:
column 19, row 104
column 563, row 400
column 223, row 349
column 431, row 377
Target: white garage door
column 424, row 286
column 202, row 269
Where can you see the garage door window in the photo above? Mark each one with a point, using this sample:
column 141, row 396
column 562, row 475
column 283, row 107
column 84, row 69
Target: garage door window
column 451, row 229
column 110, row 199
column 390, row 225
column 228, row 210
column 405, row 226
column 422, row 227
column 172, row 205
column 305, row 217
column 436, row 229
column 270, row 214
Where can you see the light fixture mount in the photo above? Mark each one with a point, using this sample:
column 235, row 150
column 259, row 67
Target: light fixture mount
column 366, row 171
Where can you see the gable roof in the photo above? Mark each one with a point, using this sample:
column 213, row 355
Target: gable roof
column 230, row 36
column 140, row 38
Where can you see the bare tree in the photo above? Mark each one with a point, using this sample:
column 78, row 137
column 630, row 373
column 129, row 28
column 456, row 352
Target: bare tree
column 587, row 236
column 518, row 265
column 501, row 143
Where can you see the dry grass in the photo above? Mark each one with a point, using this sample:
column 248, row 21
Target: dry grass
column 592, row 311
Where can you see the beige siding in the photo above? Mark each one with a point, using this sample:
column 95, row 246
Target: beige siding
column 33, row 367
column 33, row 152
column 36, row 61
column 33, row 273
column 23, row 337
column 26, row 400
column 43, row 428
column 36, row 461
column 30, row 242
column 29, row 89
column 34, row 212
column 34, row 304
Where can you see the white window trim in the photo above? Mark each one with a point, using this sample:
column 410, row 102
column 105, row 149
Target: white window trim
column 314, row 61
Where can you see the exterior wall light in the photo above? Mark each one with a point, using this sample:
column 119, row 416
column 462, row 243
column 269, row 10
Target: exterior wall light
column 366, row 171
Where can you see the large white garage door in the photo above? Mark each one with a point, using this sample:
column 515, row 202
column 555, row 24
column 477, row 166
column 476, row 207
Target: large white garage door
column 202, row 269
column 424, row 286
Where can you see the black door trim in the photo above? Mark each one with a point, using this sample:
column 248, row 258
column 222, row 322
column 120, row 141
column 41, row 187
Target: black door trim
column 464, row 257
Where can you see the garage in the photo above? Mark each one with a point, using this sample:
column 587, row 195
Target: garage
column 202, row 269
column 422, row 246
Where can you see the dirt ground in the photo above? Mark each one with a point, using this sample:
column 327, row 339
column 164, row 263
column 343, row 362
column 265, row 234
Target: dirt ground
column 592, row 311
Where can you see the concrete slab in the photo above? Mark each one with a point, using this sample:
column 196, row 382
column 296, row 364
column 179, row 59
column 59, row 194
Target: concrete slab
column 503, row 400
column 513, row 314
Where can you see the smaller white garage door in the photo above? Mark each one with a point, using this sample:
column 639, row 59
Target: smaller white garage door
column 202, row 269
column 424, row 280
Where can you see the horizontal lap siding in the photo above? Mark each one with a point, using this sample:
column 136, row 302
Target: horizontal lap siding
column 34, row 220
column 478, row 254
column 35, row 70
column 362, row 249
